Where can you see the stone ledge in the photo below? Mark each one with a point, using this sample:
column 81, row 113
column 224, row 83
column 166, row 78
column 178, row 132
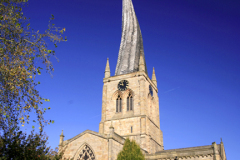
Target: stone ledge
column 182, row 153
column 130, row 75
column 81, row 134
column 117, row 138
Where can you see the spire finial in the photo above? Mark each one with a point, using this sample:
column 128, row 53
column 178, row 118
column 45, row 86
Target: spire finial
column 107, row 70
column 61, row 138
column 62, row 133
column 131, row 47
column 154, row 79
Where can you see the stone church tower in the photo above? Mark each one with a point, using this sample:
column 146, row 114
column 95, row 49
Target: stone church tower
column 130, row 101
column 130, row 108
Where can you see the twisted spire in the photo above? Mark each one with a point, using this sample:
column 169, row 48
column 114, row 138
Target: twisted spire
column 131, row 46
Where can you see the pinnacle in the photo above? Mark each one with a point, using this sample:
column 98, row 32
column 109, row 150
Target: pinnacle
column 141, row 64
column 154, row 79
column 62, row 133
column 107, row 70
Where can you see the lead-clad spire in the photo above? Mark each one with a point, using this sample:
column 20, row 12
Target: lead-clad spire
column 131, row 43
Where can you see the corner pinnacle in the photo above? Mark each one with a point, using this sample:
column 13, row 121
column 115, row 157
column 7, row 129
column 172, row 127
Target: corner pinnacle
column 141, row 64
column 62, row 133
column 154, row 79
column 107, row 70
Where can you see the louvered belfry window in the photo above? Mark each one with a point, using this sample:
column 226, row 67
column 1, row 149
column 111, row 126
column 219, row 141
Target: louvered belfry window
column 130, row 102
column 119, row 104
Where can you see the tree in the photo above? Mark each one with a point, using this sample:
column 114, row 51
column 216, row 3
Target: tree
column 130, row 151
column 21, row 50
column 20, row 146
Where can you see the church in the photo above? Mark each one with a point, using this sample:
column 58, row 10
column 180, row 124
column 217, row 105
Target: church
column 130, row 109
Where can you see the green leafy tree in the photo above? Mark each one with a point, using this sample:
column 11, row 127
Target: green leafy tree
column 20, row 146
column 130, row 151
column 22, row 52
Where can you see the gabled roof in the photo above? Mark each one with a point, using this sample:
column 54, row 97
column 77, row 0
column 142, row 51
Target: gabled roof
column 83, row 133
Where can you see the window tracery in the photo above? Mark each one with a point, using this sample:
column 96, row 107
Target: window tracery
column 119, row 104
column 86, row 154
column 130, row 102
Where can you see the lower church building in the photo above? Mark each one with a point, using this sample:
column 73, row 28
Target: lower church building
column 130, row 108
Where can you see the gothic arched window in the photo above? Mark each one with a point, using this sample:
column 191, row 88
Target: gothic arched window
column 130, row 102
column 86, row 154
column 119, row 104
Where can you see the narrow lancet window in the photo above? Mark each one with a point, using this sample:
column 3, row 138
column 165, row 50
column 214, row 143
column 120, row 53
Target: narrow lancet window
column 119, row 104
column 116, row 105
column 130, row 102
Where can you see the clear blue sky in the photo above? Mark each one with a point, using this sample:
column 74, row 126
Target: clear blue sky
column 193, row 45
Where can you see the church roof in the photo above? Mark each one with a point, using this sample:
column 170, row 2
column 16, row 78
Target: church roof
column 183, row 153
column 131, row 47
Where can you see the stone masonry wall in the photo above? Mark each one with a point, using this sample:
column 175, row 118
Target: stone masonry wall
column 99, row 146
column 138, row 117
column 115, row 149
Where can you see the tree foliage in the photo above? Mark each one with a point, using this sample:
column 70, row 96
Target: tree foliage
column 18, row 146
column 22, row 52
column 130, row 151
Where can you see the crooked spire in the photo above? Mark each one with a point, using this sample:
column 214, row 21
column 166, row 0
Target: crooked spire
column 131, row 47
